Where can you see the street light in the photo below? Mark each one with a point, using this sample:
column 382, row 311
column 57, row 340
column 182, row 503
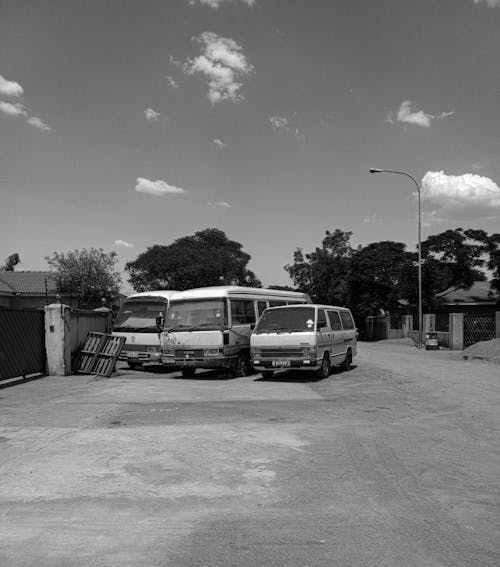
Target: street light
column 376, row 170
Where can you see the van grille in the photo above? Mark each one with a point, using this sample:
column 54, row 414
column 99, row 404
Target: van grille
column 277, row 352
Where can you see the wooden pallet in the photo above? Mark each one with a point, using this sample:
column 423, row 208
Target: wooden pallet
column 98, row 354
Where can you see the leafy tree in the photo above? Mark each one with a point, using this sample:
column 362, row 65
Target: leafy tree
column 324, row 273
column 206, row 258
column 87, row 274
column 11, row 262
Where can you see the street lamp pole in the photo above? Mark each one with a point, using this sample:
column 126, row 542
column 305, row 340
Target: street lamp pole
column 420, row 321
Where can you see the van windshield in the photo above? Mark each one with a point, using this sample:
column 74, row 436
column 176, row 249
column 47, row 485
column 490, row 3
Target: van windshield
column 291, row 319
column 139, row 315
column 196, row 315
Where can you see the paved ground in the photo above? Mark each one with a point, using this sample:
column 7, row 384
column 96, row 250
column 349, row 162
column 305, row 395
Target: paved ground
column 396, row 463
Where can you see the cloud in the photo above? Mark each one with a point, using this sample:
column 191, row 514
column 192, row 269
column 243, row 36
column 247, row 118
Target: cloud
column 279, row 123
column 219, row 143
column 409, row 114
column 151, row 115
column 123, row 244
column 222, row 204
column 38, row 123
column 467, row 196
column 16, row 109
column 10, row 88
column 223, row 63
column 491, row 3
column 157, row 188
column 215, row 4
column 172, row 82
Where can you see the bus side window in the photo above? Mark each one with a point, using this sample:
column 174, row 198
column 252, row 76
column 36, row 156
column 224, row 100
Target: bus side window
column 242, row 311
column 334, row 320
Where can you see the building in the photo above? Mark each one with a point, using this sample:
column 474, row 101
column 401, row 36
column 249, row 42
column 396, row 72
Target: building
column 27, row 289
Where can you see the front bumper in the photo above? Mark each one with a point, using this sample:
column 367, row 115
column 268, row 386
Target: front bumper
column 140, row 357
column 286, row 363
column 214, row 363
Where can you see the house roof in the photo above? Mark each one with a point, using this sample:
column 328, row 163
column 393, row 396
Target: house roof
column 479, row 293
column 28, row 282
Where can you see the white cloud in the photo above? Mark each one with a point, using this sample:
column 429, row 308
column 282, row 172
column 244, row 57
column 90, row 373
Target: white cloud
column 172, row 82
column 223, row 63
column 409, row 114
column 10, row 88
column 222, row 204
column 38, row 123
column 491, row 3
column 16, row 109
column 157, row 188
column 279, row 123
column 466, row 196
column 215, row 4
column 219, row 143
column 123, row 244
column 151, row 115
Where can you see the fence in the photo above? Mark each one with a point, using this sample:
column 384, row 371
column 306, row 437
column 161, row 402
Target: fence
column 22, row 342
column 478, row 327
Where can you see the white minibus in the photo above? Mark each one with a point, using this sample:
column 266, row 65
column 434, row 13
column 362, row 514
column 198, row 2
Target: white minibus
column 140, row 320
column 210, row 327
column 304, row 337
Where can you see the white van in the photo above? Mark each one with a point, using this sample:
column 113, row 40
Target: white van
column 304, row 337
column 139, row 320
column 210, row 327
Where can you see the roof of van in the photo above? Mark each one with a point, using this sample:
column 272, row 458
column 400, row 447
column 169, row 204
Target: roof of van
column 320, row 305
column 167, row 293
column 225, row 291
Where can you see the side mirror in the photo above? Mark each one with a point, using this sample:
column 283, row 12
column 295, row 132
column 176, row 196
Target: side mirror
column 324, row 330
column 160, row 322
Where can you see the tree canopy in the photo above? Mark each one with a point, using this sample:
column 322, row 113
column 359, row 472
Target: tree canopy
column 86, row 274
column 206, row 258
column 11, row 262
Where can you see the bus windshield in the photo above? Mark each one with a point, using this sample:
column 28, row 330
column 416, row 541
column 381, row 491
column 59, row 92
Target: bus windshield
column 195, row 315
column 140, row 315
column 290, row 320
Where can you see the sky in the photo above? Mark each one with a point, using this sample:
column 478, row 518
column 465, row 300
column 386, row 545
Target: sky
column 125, row 124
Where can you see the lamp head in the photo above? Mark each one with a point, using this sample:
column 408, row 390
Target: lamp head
column 375, row 170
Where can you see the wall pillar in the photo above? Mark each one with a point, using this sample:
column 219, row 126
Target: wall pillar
column 456, row 331
column 57, row 339
column 406, row 324
column 429, row 322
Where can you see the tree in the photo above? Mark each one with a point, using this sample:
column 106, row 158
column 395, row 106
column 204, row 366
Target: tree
column 206, row 258
column 11, row 262
column 87, row 274
column 324, row 273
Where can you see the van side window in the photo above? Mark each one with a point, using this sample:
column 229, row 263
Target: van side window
column 334, row 320
column 347, row 321
column 321, row 319
column 277, row 303
column 261, row 305
column 242, row 311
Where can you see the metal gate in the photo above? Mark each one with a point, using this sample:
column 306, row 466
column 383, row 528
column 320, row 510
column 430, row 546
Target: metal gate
column 22, row 342
column 478, row 327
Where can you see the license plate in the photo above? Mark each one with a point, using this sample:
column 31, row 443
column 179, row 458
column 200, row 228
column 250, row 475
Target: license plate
column 132, row 355
column 280, row 363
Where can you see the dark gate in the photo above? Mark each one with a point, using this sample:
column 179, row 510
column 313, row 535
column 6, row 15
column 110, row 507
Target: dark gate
column 22, row 342
column 478, row 327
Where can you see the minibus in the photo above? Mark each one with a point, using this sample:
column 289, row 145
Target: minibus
column 304, row 337
column 139, row 320
column 210, row 327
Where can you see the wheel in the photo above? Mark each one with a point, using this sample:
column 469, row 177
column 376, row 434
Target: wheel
column 188, row 372
column 134, row 365
column 242, row 367
column 324, row 369
column 346, row 365
column 267, row 374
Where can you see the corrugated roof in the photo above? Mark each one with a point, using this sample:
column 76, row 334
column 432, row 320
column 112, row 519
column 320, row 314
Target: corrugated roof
column 478, row 293
column 29, row 282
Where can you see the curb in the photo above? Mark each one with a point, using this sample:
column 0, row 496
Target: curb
column 494, row 359
column 20, row 380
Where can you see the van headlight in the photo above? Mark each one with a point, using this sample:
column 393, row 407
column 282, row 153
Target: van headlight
column 309, row 353
column 211, row 352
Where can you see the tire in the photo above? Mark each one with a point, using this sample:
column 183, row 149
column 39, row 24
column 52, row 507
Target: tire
column 242, row 367
column 134, row 365
column 188, row 372
column 325, row 368
column 346, row 365
column 267, row 374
